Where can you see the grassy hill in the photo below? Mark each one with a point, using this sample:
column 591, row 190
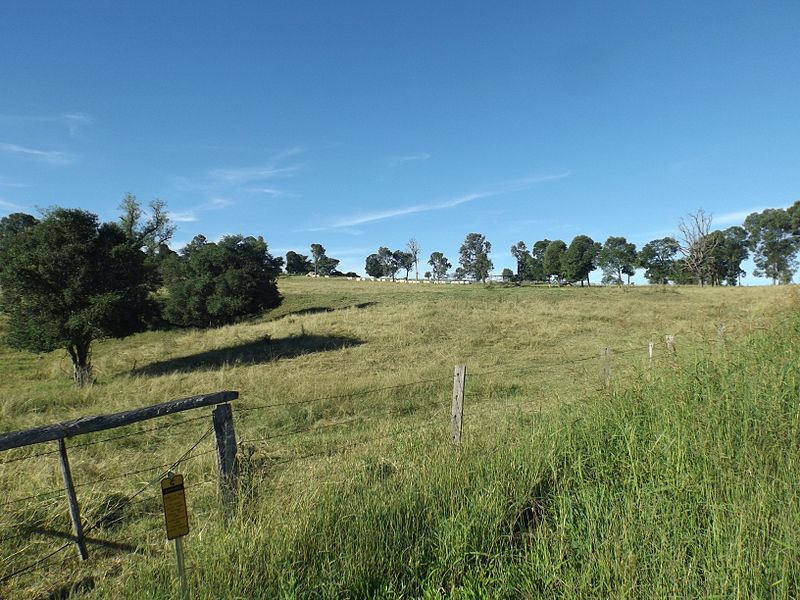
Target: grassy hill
column 677, row 480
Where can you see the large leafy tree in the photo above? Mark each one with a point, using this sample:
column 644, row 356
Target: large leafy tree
column 535, row 266
column 405, row 260
column 298, row 264
column 580, row 259
column 774, row 243
column 439, row 265
column 658, row 259
column 520, row 253
column 390, row 261
column 317, row 252
column 474, row 256
column 68, row 280
column 374, row 266
column 729, row 250
column 552, row 265
column 210, row 284
column 617, row 258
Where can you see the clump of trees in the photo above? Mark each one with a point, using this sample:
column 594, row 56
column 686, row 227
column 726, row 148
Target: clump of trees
column 387, row 263
column 214, row 283
column 67, row 280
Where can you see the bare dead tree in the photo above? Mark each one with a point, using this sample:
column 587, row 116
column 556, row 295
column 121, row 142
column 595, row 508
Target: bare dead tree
column 414, row 250
column 696, row 246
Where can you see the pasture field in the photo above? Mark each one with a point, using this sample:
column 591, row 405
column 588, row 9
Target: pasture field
column 677, row 480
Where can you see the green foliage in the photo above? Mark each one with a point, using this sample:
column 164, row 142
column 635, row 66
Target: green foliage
column 474, row 257
column 405, row 260
column 298, row 264
column 617, row 258
column 728, row 251
column 317, row 252
column 439, row 265
column 774, row 243
column 658, row 259
column 212, row 284
column 148, row 234
column 374, row 266
column 552, row 265
column 580, row 259
column 68, row 280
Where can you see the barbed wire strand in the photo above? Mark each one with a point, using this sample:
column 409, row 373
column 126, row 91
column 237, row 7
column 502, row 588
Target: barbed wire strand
column 93, row 526
column 340, row 396
column 108, row 439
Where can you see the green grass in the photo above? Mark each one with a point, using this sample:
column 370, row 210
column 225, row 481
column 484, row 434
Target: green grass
column 677, row 481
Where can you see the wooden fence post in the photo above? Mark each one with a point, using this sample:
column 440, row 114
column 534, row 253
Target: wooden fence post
column 650, row 346
column 605, row 368
column 457, row 410
column 74, row 510
column 226, row 453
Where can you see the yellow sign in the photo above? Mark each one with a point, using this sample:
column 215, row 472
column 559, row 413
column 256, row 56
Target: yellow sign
column 175, row 514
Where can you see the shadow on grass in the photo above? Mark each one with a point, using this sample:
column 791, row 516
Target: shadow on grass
column 315, row 310
column 250, row 353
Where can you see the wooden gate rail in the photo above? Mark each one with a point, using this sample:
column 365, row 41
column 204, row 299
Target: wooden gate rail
column 222, row 419
column 67, row 429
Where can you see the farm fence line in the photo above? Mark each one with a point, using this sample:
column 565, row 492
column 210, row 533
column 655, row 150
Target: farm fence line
column 227, row 448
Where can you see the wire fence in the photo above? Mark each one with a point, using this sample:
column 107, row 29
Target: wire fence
column 480, row 405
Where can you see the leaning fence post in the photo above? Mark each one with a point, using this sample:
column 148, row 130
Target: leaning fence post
column 74, row 510
column 457, row 410
column 605, row 368
column 226, row 453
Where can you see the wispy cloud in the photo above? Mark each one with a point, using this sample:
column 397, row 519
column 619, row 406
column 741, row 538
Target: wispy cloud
column 251, row 179
column 241, row 175
column 12, row 184
column 183, row 217
column 508, row 187
column 396, row 161
column 6, row 206
column 190, row 215
column 734, row 218
column 72, row 121
column 49, row 156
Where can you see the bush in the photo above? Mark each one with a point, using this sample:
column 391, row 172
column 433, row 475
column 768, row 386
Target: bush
column 212, row 284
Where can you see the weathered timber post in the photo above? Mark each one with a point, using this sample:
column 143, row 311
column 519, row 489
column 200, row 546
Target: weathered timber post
column 605, row 366
column 650, row 347
column 670, row 341
column 226, row 453
column 457, row 410
column 74, row 510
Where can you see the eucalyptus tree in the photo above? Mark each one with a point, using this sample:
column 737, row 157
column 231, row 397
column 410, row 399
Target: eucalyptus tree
column 580, row 259
column 552, row 260
column 617, row 258
column 439, row 265
column 773, row 240
column 657, row 258
column 474, row 257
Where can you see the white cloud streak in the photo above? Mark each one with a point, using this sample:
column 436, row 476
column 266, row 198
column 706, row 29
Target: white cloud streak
column 6, row 206
column 396, row 161
column 49, row 156
column 734, row 218
column 505, row 188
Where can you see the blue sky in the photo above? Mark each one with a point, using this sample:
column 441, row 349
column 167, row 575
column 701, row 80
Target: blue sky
column 362, row 124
